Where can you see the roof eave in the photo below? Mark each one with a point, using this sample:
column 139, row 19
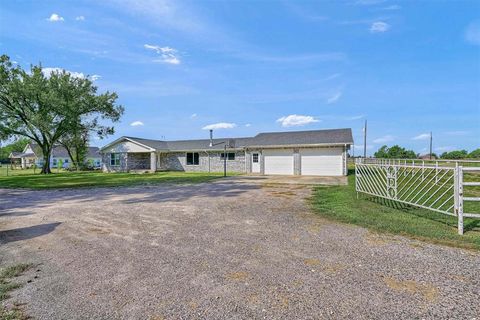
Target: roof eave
column 336, row 144
column 128, row 139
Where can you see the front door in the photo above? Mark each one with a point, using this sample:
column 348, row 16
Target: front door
column 255, row 163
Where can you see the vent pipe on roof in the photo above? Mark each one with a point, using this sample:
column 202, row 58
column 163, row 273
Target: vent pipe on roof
column 211, row 137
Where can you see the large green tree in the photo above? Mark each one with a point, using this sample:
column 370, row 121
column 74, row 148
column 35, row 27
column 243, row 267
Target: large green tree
column 76, row 144
column 474, row 154
column 44, row 108
column 456, row 154
column 394, row 152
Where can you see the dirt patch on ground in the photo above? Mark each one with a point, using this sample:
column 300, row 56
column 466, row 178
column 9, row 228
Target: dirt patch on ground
column 428, row 291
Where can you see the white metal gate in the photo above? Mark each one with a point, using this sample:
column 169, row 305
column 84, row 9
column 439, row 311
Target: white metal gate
column 433, row 187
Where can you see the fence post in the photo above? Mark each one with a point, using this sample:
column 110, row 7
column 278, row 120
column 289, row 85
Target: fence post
column 423, row 170
column 436, row 172
column 356, row 179
column 458, row 197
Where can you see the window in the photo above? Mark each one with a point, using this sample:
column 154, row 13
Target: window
column 66, row 161
column 230, row 155
column 193, row 158
column 255, row 158
column 114, row 159
column 54, row 162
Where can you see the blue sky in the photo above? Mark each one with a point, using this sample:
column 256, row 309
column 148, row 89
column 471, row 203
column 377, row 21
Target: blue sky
column 409, row 67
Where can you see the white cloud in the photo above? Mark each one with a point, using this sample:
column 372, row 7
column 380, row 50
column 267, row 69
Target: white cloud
column 220, row 125
column 332, row 76
column 47, row 72
column 296, row 120
column 423, row 136
column 55, row 18
column 387, row 138
column 136, row 123
column 248, row 125
column 472, row 33
column 368, row 2
column 80, row 18
column 379, row 26
column 167, row 54
column 193, row 116
column 355, row 117
column 392, row 7
column 334, row 98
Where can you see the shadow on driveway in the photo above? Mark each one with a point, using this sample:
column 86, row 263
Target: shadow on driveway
column 26, row 233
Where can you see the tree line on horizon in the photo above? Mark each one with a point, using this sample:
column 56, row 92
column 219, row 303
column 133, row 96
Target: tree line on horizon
column 398, row 152
column 52, row 109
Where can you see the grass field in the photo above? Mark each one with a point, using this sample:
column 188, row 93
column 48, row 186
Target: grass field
column 99, row 179
column 4, row 171
column 340, row 203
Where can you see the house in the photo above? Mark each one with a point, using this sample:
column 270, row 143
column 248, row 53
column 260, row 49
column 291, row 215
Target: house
column 32, row 155
column 316, row 152
column 427, row 157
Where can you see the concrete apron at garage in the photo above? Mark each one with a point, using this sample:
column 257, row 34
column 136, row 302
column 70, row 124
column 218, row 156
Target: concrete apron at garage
column 299, row 180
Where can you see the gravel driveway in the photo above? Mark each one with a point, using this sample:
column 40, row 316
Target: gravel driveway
column 221, row 250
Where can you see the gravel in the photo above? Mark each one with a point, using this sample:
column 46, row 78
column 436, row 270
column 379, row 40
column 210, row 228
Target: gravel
column 233, row 249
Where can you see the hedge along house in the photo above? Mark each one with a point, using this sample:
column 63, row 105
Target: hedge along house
column 316, row 152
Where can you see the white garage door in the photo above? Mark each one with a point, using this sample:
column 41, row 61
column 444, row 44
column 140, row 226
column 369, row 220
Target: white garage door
column 321, row 162
column 278, row 161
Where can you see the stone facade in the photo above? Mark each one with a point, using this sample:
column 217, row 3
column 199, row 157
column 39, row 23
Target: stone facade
column 128, row 161
column 138, row 161
column 210, row 161
column 107, row 167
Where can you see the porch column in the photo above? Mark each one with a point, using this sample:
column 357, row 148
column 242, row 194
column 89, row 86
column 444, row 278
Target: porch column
column 153, row 161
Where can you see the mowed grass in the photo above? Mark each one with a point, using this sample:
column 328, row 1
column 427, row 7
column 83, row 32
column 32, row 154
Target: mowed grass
column 100, row 179
column 340, row 203
column 4, row 171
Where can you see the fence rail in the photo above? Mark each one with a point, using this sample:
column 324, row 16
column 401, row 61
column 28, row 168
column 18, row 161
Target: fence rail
column 438, row 187
column 421, row 162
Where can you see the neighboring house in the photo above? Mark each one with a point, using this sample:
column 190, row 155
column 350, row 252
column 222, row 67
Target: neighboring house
column 427, row 157
column 32, row 154
column 317, row 152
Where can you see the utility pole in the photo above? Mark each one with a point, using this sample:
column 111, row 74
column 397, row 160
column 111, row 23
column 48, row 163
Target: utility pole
column 365, row 140
column 431, row 138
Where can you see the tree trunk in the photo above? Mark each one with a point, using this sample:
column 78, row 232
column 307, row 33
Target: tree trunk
column 70, row 154
column 77, row 160
column 46, row 162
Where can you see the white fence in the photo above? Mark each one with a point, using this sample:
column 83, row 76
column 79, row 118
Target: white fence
column 437, row 186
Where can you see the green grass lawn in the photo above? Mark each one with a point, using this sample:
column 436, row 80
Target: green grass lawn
column 4, row 171
column 99, row 179
column 340, row 203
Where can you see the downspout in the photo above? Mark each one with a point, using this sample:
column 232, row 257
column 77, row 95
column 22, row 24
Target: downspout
column 208, row 156
column 245, row 157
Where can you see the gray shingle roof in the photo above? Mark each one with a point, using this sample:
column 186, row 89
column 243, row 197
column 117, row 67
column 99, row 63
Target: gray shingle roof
column 312, row 137
column 331, row 136
column 61, row 152
column 15, row 154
